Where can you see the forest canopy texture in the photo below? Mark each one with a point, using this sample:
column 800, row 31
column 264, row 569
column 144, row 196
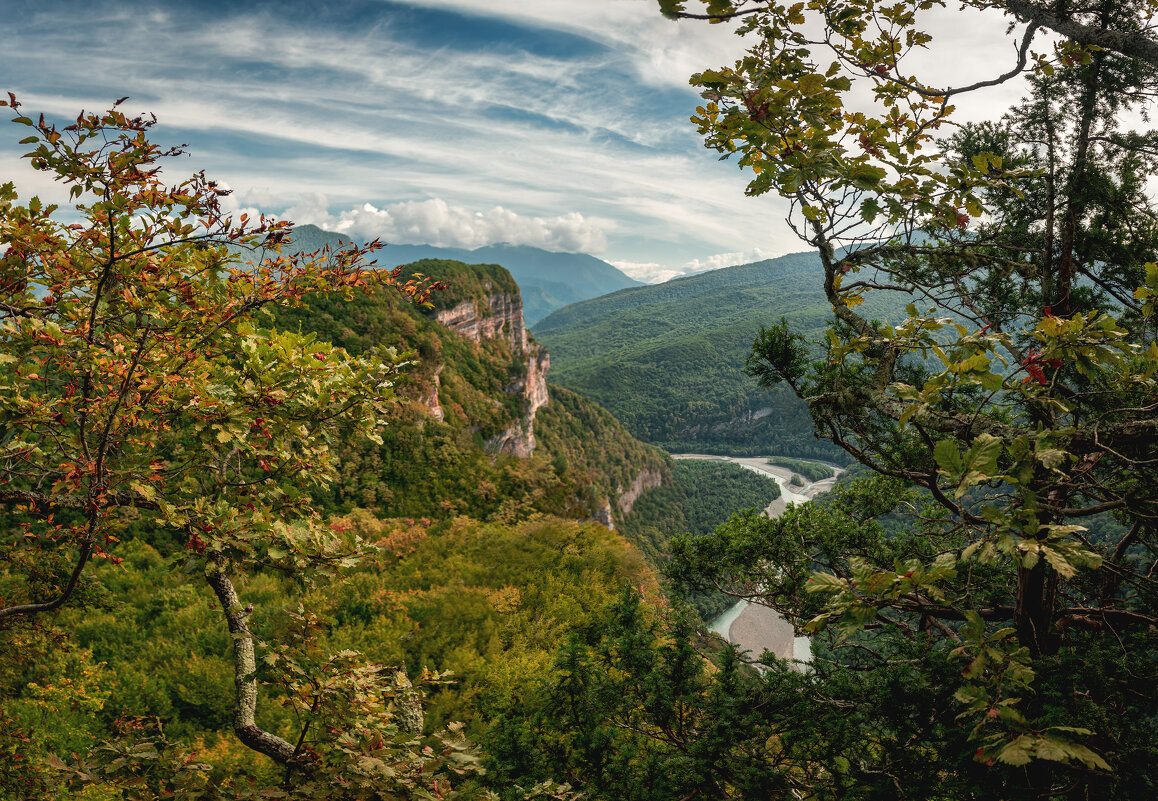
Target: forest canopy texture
column 1008, row 417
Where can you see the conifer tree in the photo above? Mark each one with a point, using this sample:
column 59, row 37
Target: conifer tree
column 1009, row 416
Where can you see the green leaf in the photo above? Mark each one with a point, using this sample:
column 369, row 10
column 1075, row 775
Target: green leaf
column 825, row 582
column 1018, row 752
column 948, row 457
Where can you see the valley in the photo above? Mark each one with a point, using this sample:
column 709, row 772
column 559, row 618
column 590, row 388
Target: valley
column 668, row 359
column 291, row 514
column 753, row 628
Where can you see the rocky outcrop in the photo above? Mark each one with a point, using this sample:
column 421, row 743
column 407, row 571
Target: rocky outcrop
column 501, row 315
column 647, row 479
column 603, row 515
column 519, row 439
column 430, row 399
column 745, row 420
column 494, row 316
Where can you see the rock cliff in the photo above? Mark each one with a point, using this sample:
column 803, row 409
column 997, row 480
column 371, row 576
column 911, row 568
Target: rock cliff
column 429, row 399
column 500, row 315
column 647, row 479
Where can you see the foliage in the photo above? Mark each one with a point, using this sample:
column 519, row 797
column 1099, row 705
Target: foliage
column 1018, row 393
column 490, row 603
column 701, row 496
column 633, row 710
column 485, row 602
column 813, row 471
column 139, row 391
column 589, row 447
column 667, row 359
column 426, row 467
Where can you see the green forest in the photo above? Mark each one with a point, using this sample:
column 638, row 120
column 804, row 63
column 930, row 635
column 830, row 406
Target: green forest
column 277, row 522
column 813, row 471
column 675, row 376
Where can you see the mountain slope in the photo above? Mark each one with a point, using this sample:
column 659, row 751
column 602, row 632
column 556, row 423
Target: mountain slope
column 481, row 433
column 667, row 360
column 547, row 281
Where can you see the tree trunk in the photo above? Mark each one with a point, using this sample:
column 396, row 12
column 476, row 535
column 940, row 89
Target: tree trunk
column 1033, row 616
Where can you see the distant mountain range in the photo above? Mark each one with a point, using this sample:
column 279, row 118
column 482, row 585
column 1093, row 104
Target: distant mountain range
column 547, row 281
column 667, row 359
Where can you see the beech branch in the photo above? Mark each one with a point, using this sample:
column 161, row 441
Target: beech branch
column 1132, row 44
column 86, row 548
column 245, row 670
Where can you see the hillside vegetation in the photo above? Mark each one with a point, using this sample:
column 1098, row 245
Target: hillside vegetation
column 485, row 604
column 431, row 467
column 480, row 563
column 667, row 360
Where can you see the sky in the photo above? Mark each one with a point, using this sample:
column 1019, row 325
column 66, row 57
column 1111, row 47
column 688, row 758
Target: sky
column 561, row 124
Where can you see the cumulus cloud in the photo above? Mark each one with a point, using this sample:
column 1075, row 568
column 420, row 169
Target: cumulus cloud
column 436, row 222
column 656, row 273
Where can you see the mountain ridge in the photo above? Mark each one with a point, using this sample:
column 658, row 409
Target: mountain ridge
column 547, row 280
column 668, row 359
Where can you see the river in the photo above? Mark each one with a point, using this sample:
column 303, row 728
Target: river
column 752, row 627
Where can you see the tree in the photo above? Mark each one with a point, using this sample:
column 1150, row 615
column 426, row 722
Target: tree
column 140, row 392
column 1086, row 24
column 1016, row 397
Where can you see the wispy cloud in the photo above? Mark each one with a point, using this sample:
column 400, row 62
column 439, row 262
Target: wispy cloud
column 554, row 122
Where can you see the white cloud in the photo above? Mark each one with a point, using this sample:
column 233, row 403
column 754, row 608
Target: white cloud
column 655, row 273
column 662, row 52
column 555, row 143
column 436, row 222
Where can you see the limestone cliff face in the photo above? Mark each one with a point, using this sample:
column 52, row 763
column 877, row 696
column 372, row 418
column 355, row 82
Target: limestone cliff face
column 501, row 315
column 603, row 515
column 745, row 420
column 647, row 479
column 430, row 399
column 495, row 315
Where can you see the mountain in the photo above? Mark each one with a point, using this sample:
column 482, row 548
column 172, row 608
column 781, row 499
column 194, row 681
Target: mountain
column 667, row 360
column 547, row 281
column 481, row 433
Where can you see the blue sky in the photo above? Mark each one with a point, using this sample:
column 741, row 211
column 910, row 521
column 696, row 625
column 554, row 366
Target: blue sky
column 556, row 123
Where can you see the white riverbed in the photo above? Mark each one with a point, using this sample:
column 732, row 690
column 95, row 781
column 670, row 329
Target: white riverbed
column 752, row 627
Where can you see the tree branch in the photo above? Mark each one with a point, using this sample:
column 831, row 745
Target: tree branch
column 1132, row 44
column 245, row 669
column 69, row 588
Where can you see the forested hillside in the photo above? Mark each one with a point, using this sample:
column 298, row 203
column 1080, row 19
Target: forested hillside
column 466, row 505
column 668, row 360
column 468, row 389
column 282, row 524
column 361, row 416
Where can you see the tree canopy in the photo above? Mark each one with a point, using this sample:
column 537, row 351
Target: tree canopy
column 1012, row 403
column 140, row 391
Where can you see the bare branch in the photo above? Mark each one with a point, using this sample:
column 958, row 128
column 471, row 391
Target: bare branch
column 245, row 669
column 1132, row 44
